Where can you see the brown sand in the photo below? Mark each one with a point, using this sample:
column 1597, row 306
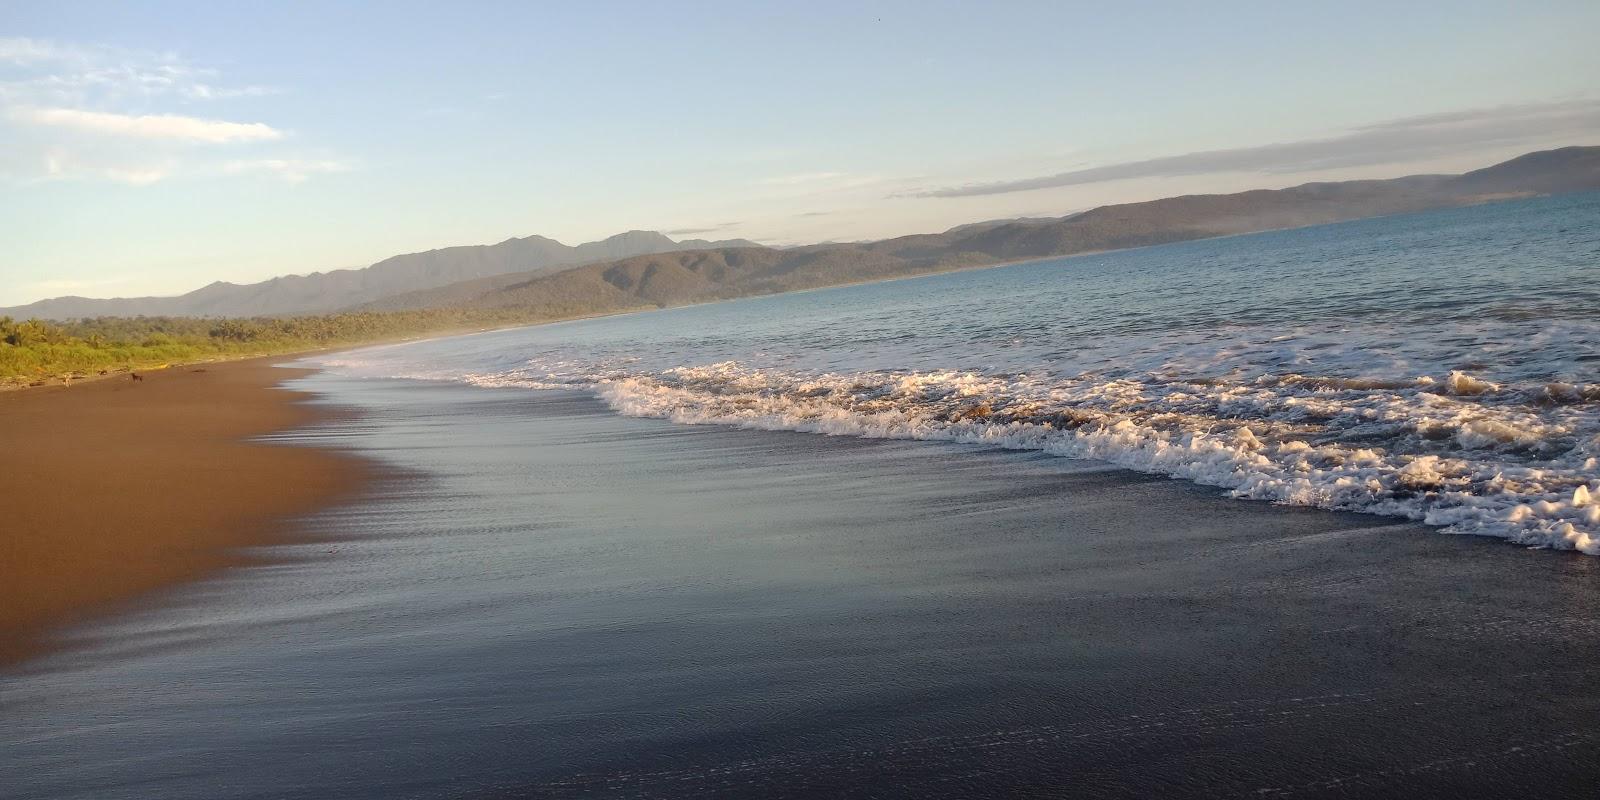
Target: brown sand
column 113, row 488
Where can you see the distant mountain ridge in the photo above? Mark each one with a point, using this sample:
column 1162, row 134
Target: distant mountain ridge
column 642, row 269
column 682, row 277
column 322, row 292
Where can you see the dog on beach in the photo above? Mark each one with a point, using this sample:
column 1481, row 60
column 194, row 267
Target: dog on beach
column 136, row 376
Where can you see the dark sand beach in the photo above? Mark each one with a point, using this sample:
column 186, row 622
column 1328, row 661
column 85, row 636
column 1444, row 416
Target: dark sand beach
column 562, row 602
column 116, row 488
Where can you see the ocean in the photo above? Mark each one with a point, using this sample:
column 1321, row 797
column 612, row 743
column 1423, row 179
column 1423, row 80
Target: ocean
column 1441, row 367
column 1155, row 523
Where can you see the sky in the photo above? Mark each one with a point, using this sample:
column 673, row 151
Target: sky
column 155, row 147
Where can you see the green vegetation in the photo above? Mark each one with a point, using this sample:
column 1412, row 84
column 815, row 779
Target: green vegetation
column 35, row 350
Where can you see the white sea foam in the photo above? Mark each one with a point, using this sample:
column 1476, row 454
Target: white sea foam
column 1520, row 461
column 1456, row 452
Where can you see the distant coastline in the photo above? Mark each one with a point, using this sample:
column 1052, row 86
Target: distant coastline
column 39, row 351
column 457, row 275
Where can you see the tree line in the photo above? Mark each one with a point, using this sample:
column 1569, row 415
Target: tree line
column 36, row 350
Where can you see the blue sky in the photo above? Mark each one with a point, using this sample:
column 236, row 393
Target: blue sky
column 152, row 148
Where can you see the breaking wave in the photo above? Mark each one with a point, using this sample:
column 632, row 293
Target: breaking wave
column 1471, row 456
column 1515, row 460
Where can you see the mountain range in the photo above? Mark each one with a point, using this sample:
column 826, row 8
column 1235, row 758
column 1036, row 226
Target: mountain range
column 544, row 279
column 667, row 279
column 321, row 292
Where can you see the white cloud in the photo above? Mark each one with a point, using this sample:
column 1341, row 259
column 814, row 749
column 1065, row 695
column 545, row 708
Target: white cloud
column 62, row 164
column 92, row 112
column 22, row 50
column 289, row 169
column 766, row 154
column 701, row 229
column 136, row 176
column 203, row 91
column 55, row 73
column 149, row 126
column 803, row 178
column 1390, row 142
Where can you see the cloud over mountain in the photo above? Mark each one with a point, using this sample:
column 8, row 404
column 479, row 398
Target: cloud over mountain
column 1389, row 142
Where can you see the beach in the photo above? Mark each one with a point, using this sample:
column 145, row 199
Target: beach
column 837, row 401
column 1300, row 514
column 545, row 599
column 115, row 488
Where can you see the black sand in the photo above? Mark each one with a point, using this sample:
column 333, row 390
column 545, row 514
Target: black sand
column 565, row 603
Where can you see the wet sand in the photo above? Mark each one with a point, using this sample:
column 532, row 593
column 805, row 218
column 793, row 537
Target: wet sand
column 555, row 601
column 114, row 488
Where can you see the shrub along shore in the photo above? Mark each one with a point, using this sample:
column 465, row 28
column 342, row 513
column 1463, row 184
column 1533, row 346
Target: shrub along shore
column 34, row 352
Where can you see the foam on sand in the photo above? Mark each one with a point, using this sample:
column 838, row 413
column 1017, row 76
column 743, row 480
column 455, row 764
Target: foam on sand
column 1457, row 452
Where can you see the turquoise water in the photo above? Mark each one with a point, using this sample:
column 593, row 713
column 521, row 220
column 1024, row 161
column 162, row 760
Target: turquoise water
column 1442, row 367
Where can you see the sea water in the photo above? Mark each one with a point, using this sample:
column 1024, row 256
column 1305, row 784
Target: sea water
column 1441, row 367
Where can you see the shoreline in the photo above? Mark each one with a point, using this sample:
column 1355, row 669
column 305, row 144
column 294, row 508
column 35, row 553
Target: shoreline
column 120, row 489
column 854, row 612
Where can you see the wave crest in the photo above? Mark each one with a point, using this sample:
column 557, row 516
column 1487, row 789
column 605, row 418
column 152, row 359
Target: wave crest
column 1476, row 457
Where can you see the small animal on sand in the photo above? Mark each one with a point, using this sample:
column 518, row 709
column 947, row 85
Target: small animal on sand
column 136, row 376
